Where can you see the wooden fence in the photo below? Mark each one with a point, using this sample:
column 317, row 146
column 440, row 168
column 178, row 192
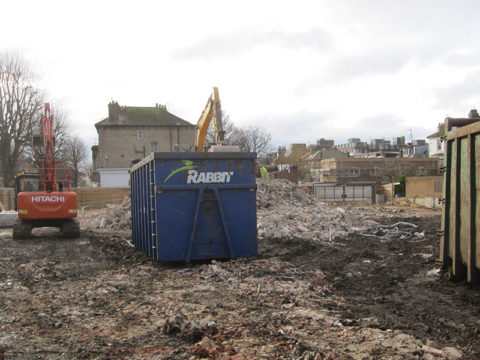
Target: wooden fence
column 88, row 198
column 7, row 198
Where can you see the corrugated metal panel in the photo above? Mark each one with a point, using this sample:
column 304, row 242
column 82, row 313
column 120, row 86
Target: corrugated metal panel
column 344, row 193
column 188, row 206
column 460, row 232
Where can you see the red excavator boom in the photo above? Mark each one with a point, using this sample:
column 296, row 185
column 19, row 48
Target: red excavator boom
column 48, row 168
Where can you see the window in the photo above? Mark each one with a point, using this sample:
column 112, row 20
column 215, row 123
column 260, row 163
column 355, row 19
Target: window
column 153, row 146
column 139, row 134
column 375, row 171
column 439, row 145
column 421, row 171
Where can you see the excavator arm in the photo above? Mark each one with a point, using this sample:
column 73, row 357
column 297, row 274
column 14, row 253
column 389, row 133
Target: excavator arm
column 213, row 110
column 48, row 171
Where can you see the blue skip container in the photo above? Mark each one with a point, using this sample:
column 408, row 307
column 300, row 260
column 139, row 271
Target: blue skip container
column 195, row 206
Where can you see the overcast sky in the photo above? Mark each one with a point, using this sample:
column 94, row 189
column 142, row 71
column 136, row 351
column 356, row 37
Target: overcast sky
column 303, row 70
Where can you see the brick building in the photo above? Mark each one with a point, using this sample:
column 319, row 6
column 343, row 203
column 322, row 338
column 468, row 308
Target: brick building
column 324, row 144
column 130, row 133
column 354, row 147
column 375, row 170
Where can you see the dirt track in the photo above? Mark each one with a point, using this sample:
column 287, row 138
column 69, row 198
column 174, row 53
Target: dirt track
column 352, row 298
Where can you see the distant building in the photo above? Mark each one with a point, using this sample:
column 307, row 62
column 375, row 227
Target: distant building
column 418, row 148
column 130, row 133
column 435, row 143
column 298, row 149
column 418, row 142
column 294, row 153
column 323, row 144
column 375, row 170
column 398, row 142
column 313, row 159
column 377, row 144
column 354, row 147
column 384, row 148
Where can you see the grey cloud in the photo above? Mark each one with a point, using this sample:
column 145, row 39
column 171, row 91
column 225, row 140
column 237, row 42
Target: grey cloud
column 387, row 126
column 343, row 69
column 308, row 127
column 392, row 59
column 459, row 59
column 457, row 96
column 239, row 42
column 296, row 127
column 377, row 62
column 422, row 33
column 385, row 61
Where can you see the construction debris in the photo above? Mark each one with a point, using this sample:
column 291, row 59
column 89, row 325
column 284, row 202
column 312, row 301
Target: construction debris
column 114, row 217
column 330, row 282
column 287, row 211
column 7, row 218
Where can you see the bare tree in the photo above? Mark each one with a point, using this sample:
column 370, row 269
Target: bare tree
column 228, row 127
column 87, row 180
column 20, row 104
column 252, row 139
column 33, row 155
column 75, row 158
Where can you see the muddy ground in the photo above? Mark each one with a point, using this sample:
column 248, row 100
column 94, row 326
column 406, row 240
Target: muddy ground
column 359, row 297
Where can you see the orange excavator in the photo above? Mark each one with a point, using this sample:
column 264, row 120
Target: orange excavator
column 213, row 109
column 43, row 196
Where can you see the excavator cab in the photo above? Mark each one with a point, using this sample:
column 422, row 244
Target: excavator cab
column 26, row 182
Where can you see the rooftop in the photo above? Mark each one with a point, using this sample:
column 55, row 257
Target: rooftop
column 140, row 116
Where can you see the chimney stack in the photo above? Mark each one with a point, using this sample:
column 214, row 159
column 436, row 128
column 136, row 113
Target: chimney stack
column 473, row 114
column 113, row 111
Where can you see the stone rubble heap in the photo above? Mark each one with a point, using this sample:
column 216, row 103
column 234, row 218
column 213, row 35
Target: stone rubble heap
column 310, row 294
column 7, row 218
column 287, row 211
column 284, row 210
column 113, row 218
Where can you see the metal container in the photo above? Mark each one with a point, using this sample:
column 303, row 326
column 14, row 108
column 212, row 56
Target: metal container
column 460, row 232
column 193, row 206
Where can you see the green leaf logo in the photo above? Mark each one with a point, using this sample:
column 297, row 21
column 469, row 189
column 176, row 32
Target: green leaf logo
column 188, row 166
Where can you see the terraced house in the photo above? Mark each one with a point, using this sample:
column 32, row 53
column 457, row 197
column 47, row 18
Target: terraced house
column 130, row 133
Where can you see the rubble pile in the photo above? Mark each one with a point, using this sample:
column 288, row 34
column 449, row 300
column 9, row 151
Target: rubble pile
column 7, row 218
column 287, row 211
column 114, row 217
column 284, row 211
column 277, row 192
column 330, row 282
column 55, row 306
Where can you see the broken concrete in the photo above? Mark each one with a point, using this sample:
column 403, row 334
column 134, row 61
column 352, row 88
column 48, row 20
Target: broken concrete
column 330, row 282
column 7, row 219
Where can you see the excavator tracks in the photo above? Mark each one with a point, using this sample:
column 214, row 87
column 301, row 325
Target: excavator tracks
column 21, row 230
column 70, row 229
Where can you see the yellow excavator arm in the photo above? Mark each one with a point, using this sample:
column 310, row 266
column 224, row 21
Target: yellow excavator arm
column 213, row 110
